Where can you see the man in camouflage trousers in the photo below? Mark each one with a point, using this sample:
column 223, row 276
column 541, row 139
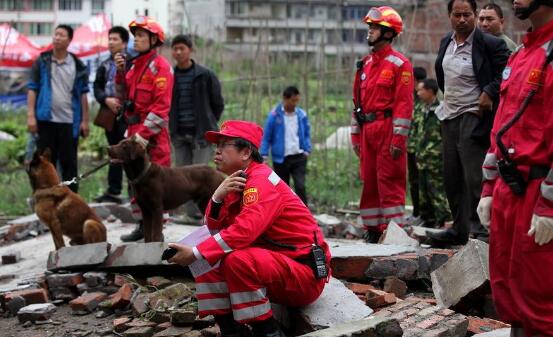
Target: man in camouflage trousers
column 426, row 141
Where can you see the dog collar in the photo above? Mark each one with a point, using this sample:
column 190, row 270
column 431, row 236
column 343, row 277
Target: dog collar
column 142, row 174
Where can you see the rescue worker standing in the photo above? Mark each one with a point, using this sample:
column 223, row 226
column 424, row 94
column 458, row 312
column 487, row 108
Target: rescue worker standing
column 147, row 88
column 264, row 237
column 383, row 97
column 518, row 181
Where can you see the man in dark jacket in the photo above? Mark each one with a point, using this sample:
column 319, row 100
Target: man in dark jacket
column 196, row 107
column 105, row 94
column 57, row 103
column 468, row 70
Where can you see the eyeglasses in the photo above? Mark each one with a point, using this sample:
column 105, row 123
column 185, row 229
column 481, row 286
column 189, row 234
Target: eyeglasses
column 222, row 145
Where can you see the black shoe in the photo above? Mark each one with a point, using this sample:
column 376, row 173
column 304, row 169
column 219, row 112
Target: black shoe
column 267, row 328
column 445, row 238
column 371, row 237
column 135, row 235
column 107, row 197
column 231, row 328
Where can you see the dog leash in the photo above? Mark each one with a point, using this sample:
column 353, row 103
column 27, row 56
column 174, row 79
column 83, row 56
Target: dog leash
column 84, row 175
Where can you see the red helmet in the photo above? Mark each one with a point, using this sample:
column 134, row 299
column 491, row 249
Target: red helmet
column 150, row 25
column 385, row 16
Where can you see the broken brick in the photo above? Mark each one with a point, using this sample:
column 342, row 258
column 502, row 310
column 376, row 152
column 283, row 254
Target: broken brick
column 64, row 280
column 359, row 288
column 31, row 296
column 378, row 298
column 479, row 325
column 396, row 286
column 138, row 323
column 36, row 312
column 122, row 298
column 87, row 302
column 120, row 324
column 158, row 282
column 11, row 257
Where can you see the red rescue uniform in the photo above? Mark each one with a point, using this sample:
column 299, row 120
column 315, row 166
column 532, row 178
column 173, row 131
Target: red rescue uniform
column 520, row 270
column 149, row 85
column 263, row 239
column 385, row 86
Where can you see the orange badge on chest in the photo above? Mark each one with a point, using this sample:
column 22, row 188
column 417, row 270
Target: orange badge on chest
column 406, row 77
column 250, row 196
column 161, row 83
column 534, row 76
column 386, row 74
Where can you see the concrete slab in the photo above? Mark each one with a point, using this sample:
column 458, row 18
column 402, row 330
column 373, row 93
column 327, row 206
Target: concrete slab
column 358, row 248
column 337, row 304
column 370, row 327
column 495, row 333
column 84, row 256
column 463, row 273
column 34, row 252
column 136, row 254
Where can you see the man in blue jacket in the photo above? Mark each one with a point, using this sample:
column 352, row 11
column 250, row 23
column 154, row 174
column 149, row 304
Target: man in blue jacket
column 287, row 134
column 57, row 103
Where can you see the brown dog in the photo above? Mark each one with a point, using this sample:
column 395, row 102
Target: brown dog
column 64, row 211
column 159, row 189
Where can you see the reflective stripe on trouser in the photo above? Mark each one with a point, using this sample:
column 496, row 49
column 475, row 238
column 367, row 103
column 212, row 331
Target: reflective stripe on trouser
column 247, row 279
column 520, row 274
column 384, row 179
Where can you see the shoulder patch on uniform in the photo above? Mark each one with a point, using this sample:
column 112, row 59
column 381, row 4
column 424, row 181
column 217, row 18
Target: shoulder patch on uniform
column 161, row 83
column 506, row 73
column 534, row 76
column 250, row 196
column 274, row 178
column 406, row 77
column 395, row 60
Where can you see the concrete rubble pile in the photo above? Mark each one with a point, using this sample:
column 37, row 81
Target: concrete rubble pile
column 395, row 288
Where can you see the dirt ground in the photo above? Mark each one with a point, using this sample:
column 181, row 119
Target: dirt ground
column 63, row 324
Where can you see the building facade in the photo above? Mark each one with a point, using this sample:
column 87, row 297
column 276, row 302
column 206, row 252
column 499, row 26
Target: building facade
column 38, row 18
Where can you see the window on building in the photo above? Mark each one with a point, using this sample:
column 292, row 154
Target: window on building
column 40, row 28
column 41, row 5
column 70, row 5
column 11, row 5
column 98, row 6
column 236, row 8
column 354, row 12
column 146, row 11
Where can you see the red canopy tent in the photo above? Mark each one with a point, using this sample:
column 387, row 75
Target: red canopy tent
column 92, row 37
column 16, row 50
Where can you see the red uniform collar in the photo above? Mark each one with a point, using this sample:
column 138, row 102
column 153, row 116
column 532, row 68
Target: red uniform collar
column 540, row 36
column 385, row 51
column 143, row 58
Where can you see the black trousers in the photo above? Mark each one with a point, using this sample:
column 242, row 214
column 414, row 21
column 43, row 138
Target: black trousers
column 413, row 176
column 115, row 172
column 58, row 137
column 462, row 159
column 295, row 166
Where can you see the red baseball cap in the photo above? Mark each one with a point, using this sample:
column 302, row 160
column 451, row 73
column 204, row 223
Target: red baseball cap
column 249, row 131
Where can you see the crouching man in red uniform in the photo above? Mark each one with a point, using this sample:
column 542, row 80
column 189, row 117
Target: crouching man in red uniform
column 265, row 239
column 518, row 181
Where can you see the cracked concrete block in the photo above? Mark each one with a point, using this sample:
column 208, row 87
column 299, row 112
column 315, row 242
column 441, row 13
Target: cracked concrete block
column 370, row 327
column 36, row 312
column 336, row 304
column 78, row 257
column 136, row 254
column 465, row 272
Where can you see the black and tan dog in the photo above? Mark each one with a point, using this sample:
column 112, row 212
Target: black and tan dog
column 62, row 210
column 158, row 189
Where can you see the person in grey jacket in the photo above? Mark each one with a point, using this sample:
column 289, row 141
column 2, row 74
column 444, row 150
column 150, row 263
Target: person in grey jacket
column 197, row 106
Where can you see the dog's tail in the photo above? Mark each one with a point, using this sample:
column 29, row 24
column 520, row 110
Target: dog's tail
column 94, row 231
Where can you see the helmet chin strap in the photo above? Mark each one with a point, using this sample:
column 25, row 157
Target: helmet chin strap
column 383, row 32
column 524, row 13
